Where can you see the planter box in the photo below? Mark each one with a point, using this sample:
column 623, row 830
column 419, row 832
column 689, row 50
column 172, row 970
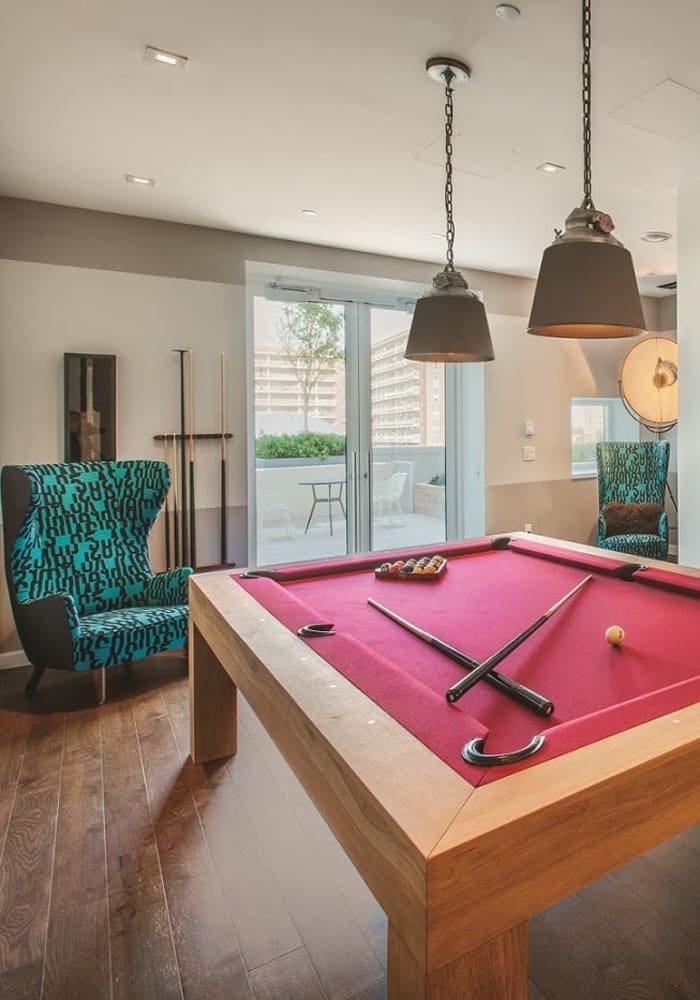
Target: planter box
column 291, row 463
column 429, row 500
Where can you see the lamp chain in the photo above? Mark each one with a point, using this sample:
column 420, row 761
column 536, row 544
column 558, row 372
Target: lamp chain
column 448, row 77
column 586, row 95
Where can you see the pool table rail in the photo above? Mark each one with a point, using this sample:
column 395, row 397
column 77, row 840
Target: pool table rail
column 537, row 836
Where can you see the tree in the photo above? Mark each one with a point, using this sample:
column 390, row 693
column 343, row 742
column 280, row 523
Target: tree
column 310, row 336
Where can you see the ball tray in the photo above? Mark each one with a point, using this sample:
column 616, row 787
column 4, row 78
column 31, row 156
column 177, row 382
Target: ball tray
column 425, row 569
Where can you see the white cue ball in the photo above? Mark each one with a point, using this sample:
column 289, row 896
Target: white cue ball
column 615, row 635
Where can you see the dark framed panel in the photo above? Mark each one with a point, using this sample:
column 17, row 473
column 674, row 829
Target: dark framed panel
column 90, row 407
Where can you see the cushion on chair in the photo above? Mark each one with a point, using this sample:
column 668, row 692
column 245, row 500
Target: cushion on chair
column 646, row 546
column 130, row 634
column 631, row 518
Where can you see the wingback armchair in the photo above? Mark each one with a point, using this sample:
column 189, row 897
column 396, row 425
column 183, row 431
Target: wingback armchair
column 631, row 492
column 78, row 573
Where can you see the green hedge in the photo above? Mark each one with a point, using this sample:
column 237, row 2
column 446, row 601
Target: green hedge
column 305, row 445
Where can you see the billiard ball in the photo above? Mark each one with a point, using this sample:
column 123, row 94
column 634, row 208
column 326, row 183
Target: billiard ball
column 615, row 635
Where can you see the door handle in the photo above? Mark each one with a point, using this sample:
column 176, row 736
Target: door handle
column 370, row 476
column 355, row 499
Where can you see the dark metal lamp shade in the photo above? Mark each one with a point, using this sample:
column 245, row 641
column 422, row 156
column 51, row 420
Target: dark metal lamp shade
column 587, row 289
column 449, row 325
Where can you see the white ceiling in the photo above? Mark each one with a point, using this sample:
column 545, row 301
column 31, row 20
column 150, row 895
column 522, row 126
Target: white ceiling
column 325, row 104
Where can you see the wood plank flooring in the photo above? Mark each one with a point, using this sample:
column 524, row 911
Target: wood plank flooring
column 126, row 872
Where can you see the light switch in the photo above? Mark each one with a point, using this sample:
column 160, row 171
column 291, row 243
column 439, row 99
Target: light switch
column 528, row 453
column 529, row 428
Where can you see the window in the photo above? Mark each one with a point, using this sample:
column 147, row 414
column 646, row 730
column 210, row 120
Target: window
column 597, row 419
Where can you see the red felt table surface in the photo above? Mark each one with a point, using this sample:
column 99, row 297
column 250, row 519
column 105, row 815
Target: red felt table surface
column 485, row 598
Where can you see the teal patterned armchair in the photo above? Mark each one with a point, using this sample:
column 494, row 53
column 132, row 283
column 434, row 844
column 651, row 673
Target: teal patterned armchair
column 76, row 559
column 631, row 493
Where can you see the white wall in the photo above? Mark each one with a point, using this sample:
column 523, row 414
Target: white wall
column 689, row 354
column 532, row 378
column 46, row 310
column 68, row 283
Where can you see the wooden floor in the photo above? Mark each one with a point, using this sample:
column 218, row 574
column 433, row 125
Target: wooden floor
column 127, row 872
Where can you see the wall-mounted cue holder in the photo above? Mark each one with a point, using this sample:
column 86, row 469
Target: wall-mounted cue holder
column 179, row 543
column 180, row 522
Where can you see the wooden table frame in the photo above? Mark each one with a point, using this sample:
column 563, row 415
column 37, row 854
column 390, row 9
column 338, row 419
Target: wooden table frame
column 458, row 870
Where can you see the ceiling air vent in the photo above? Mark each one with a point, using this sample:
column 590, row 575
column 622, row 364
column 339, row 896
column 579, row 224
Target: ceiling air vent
column 669, row 286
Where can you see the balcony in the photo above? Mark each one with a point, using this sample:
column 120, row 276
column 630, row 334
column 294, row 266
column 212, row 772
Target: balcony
column 284, row 504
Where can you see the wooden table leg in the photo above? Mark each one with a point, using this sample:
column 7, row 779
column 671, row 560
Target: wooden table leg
column 213, row 695
column 496, row 970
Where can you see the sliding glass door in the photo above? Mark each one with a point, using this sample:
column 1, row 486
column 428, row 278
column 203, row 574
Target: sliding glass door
column 301, row 472
column 349, row 436
column 407, row 439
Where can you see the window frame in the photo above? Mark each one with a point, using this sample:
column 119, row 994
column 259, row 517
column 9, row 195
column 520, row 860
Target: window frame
column 618, row 425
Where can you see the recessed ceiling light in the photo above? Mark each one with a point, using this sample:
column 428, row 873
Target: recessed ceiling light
column 309, row 211
column 145, row 181
column 550, row 168
column 655, row 236
column 164, row 58
column 507, row 12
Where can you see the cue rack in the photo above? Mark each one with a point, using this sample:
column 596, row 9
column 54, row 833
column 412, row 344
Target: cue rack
column 180, row 454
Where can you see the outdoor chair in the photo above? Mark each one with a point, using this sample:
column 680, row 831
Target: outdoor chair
column 387, row 497
column 273, row 512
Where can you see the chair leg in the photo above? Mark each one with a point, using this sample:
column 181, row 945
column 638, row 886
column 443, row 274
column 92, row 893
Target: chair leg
column 33, row 681
column 100, row 676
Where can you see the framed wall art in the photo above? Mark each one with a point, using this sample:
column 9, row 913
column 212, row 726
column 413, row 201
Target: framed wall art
column 90, row 407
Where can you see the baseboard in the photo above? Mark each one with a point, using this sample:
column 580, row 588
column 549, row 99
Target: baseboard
column 15, row 658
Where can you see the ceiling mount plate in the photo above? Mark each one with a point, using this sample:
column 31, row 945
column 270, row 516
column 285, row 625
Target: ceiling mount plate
column 438, row 66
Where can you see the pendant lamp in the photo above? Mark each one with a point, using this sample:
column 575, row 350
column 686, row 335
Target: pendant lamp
column 449, row 323
column 586, row 286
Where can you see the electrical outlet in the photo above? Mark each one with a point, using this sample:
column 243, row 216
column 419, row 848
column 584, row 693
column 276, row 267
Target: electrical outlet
column 529, row 428
column 528, row 453
column 528, row 527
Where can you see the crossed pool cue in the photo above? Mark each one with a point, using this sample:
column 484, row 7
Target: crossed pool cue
column 478, row 671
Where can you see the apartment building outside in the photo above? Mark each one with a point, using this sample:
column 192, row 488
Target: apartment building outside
column 407, row 397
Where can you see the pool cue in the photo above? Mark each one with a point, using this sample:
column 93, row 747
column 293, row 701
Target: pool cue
column 183, row 464
column 224, row 546
column 530, row 699
column 166, row 508
column 176, row 521
column 193, row 543
column 455, row 692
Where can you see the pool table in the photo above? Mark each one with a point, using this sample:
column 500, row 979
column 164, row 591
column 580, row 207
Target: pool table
column 459, row 854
